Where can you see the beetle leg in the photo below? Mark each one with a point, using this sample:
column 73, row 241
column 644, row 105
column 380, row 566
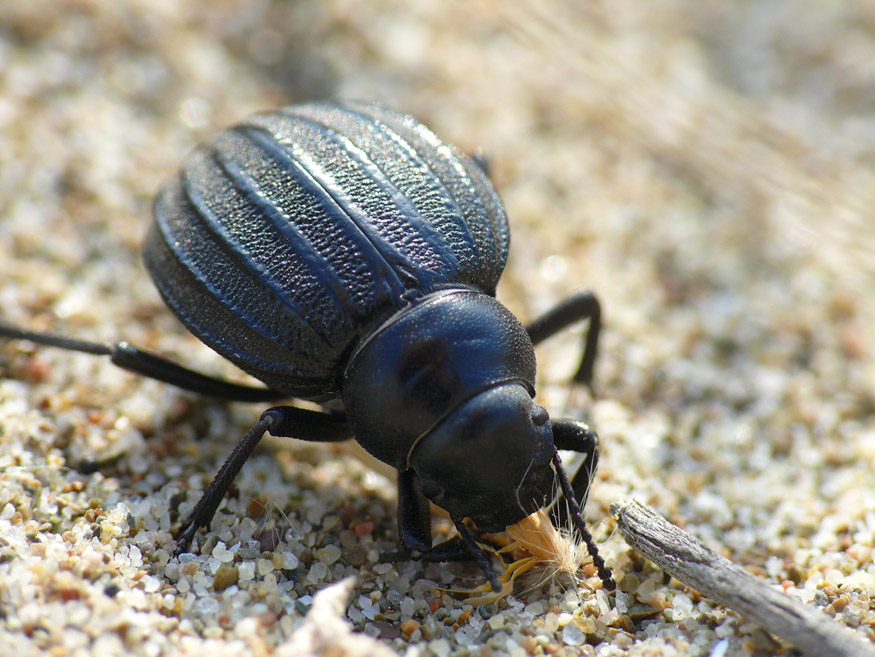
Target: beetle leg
column 414, row 517
column 453, row 549
column 141, row 362
column 280, row 421
column 414, row 532
column 578, row 437
column 414, row 528
column 155, row 367
column 581, row 306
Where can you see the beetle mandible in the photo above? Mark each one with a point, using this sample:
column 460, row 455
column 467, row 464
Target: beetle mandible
column 341, row 251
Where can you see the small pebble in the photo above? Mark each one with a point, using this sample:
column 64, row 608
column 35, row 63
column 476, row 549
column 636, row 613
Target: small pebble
column 440, row 647
column 408, row 606
column 222, row 553
column 409, row 626
column 572, row 635
column 225, row 576
column 682, row 606
column 246, row 570
column 328, row 554
column 264, row 566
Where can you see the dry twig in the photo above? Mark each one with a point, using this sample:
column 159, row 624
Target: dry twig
column 689, row 561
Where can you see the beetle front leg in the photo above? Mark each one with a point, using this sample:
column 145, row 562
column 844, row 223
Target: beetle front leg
column 280, row 421
column 581, row 306
column 414, row 528
column 414, row 532
column 414, row 517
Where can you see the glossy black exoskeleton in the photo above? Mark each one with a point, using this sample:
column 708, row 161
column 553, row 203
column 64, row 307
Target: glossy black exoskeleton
column 343, row 252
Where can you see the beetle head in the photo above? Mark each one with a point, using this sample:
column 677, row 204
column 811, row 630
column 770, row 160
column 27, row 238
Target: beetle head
column 490, row 459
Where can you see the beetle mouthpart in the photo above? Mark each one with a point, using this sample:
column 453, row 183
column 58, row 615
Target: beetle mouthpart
column 541, row 554
column 551, row 547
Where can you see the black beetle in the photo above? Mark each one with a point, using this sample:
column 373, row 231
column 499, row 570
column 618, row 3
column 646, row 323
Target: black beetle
column 343, row 252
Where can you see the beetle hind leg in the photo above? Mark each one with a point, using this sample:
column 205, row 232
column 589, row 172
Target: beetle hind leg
column 142, row 362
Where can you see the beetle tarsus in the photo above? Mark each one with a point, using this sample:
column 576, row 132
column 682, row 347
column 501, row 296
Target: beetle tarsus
column 54, row 340
column 185, row 537
column 90, row 466
column 453, row 549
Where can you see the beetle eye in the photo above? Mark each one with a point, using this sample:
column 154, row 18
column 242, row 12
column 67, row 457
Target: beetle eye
column 430, row 489
column 540, row 415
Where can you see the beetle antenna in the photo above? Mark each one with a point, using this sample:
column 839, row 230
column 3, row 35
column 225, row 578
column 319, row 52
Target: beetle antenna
column 597, row 560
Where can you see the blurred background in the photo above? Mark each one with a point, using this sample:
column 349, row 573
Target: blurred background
column 706, row 168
